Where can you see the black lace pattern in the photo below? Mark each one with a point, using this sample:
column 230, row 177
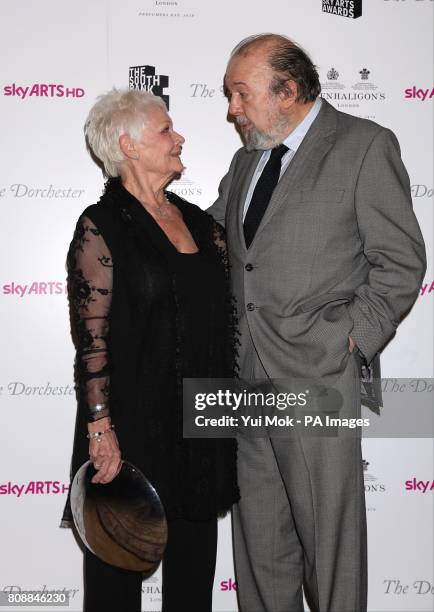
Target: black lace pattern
column 90, row 283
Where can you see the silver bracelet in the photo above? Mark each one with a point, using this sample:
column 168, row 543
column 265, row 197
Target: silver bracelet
column 96, row 408
column 97, row 435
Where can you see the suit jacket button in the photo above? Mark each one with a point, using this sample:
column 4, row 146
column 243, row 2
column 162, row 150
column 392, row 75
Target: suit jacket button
column 248, row 267
column 250, row 306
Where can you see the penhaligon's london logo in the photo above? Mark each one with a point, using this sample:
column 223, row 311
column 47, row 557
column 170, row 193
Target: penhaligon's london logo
column 186, row 188
column 144, row 78
column 371, row 482
column 361, row 97
column 332, row 80
column 343, row 8
column 332, row 74
column 364, row 84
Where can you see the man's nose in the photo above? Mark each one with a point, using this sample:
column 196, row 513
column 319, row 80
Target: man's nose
column 235, row 106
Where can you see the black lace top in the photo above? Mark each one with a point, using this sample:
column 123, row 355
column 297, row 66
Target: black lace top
column 145, row 316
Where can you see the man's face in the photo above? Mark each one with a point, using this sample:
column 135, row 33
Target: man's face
column 257, row 111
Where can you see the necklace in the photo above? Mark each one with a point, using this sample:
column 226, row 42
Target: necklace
column 163, row 211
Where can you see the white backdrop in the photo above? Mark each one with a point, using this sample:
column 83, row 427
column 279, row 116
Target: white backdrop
column 66, row 53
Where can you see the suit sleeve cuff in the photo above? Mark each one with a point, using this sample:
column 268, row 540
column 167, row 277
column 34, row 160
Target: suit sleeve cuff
column 369, row 338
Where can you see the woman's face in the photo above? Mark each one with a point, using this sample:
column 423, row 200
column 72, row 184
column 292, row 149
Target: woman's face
column 160, row 146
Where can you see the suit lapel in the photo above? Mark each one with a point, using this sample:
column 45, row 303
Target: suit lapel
column 242, row 178
column 317, row 142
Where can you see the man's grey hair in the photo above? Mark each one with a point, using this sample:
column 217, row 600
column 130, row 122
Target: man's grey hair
column 288, row 62
column 117, row 112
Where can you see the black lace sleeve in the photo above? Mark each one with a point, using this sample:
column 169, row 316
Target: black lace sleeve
column 219, row 238
column 90, row 282
column 233, row 341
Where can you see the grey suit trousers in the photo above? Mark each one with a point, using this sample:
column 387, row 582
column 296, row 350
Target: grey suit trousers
column 301, row 519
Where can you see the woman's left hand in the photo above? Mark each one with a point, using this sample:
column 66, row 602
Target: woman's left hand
column 105, row 453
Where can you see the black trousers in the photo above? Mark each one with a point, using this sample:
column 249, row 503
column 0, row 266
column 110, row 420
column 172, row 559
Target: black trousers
column 189, row 559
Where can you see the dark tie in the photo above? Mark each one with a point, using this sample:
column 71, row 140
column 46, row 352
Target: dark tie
column 263, row 192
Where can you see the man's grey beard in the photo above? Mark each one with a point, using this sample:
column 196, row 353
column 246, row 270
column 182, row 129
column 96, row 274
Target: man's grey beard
column 254, row 139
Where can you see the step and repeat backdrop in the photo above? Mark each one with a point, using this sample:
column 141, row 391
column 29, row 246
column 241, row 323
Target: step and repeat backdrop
column 375, row 60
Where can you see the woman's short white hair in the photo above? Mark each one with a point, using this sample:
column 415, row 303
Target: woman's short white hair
column 117, row 112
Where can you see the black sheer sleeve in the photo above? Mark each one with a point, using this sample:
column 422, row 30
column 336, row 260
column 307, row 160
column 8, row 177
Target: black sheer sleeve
column 90, row 284
column 233, row 339
column 219, row 238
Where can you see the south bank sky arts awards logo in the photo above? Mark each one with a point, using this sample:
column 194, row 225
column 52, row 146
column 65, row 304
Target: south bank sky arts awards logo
column 145, row 78
column 343, row 8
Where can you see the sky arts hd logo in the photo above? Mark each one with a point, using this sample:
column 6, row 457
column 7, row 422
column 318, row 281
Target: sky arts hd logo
column 228, row 585
column 144, row 78
column 34, row 487
column 344, row 8
column 34, row 288
column 42, row 90
column 419, row 486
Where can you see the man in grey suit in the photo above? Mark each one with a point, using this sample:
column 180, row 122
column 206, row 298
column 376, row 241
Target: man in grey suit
column 326, row 258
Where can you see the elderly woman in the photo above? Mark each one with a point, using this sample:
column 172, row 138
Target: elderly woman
column 148, row 289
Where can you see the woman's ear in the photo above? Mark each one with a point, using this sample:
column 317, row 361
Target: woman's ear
column 128, row 147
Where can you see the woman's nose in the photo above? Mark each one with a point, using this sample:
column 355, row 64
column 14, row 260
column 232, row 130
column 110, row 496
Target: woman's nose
column 179, row 138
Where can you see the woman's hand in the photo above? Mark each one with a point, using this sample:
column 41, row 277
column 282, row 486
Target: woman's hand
column 105, row 454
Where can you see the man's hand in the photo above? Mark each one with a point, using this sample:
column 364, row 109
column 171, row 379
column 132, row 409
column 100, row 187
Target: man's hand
column 351, row 344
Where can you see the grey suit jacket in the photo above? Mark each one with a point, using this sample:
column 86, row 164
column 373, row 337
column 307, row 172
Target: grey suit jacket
column 339, row 251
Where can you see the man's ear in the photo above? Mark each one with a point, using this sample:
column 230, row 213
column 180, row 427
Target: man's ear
column 128, row 147
column 289, row 93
